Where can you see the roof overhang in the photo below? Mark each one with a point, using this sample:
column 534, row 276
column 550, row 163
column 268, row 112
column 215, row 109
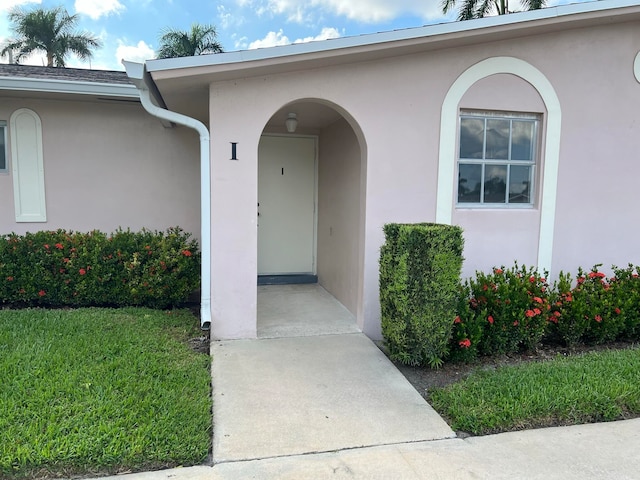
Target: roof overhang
column 199, row 71
column 67, row 87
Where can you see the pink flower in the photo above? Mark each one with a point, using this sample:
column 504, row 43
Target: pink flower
column 516, row 323
column 530, row 313
column 537, row 299
column 59, row 246
column 490, row 319
column 497, row 271
column 617, row 310
column 82, row 271
column 457, row 320
column 42, row 293
column 537, row 311
column 466, row 343
column 598, row 318
column 186, row 253
column 9, row 279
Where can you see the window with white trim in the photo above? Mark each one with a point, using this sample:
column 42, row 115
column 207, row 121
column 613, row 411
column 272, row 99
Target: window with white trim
column 3, row 147
column 497, row 159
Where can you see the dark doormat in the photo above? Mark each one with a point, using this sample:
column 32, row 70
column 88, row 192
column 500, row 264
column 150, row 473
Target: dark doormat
column 286, row 279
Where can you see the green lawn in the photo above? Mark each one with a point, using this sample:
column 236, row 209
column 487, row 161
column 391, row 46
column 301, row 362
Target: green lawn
column 593, row 387
column 101, row 390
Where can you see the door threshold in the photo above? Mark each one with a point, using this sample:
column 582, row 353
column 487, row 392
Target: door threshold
column 291, row 279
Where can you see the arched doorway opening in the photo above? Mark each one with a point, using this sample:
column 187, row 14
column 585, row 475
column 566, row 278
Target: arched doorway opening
column 310, row 221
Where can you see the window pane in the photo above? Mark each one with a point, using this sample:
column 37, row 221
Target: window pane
column 520, row 184
column 497, row 139
column 3, row 149
column 522, row 140
column 471, row 137
column 495, row 184
column 469, row 181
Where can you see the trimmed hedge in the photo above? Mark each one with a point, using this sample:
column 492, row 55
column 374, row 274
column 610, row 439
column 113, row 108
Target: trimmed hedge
column 65, row 268
column 420, row 268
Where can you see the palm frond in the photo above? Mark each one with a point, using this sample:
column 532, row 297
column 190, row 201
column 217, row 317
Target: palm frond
column 533, row 4
column 199, row 40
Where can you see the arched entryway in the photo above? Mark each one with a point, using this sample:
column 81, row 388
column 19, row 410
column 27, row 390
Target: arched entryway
column 310, row 218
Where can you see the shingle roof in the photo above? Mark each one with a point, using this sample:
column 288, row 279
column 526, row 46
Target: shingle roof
column 64, row 74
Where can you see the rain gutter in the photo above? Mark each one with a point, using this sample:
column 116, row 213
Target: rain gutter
column 138, row 74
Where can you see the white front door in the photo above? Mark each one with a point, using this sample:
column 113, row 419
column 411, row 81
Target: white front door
column 286, row 205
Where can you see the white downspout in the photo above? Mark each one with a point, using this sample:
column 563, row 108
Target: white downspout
column 143, row 82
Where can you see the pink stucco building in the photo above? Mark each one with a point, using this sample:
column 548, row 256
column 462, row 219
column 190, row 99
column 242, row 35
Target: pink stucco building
column 522, row 129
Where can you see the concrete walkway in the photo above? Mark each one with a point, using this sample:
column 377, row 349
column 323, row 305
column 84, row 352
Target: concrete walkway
column 333, row 406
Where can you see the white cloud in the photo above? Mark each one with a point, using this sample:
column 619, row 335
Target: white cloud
column 325, row 34
column 369, row 11
column 9, row 4
column 225, row 19
column 240, row 43
column 98, row 8
column 272, row 39
column 134, row 53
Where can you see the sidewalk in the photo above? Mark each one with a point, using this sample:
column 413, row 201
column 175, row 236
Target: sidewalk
column 333, row 406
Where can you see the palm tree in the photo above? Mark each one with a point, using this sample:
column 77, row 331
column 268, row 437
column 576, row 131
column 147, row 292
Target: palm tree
column 481, row 8
column 49, row 31
column 200, row 40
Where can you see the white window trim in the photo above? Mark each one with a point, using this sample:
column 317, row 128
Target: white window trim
column 448, row 134
column 533, row 163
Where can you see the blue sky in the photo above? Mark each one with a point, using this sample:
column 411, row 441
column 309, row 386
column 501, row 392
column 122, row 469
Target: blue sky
column 130, row 28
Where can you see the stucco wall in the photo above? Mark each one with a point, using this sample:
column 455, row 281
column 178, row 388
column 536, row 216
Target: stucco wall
column 397, row 105
column 109, row 165
column 339, row 212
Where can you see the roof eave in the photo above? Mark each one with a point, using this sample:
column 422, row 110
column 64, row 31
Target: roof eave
column 68, row 87
column 378, row 43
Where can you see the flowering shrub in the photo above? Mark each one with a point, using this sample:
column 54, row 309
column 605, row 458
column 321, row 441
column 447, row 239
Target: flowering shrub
column 467, row 329
column 60, row 268
column 625, row 293
column 589, row 312
column 513, row 309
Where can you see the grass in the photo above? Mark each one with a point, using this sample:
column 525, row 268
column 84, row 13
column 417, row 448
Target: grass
column 593, row 387
column 101, row 391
